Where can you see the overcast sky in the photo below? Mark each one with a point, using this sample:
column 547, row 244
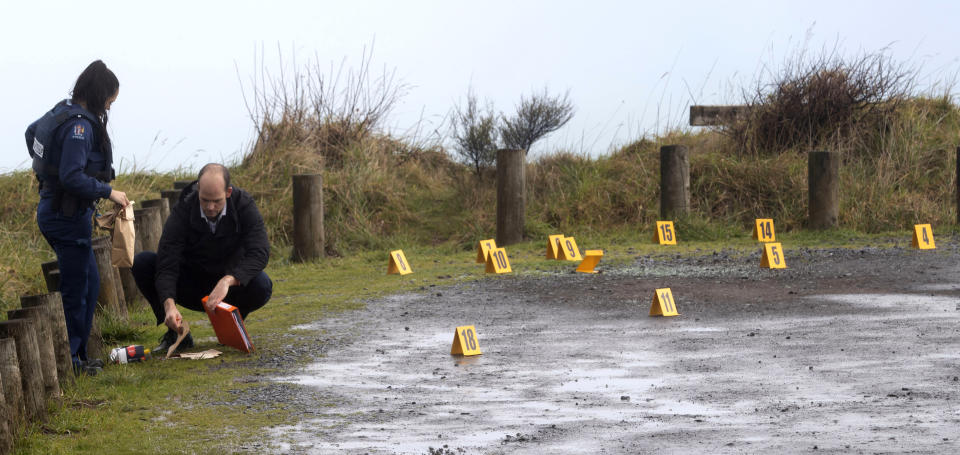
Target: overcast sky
column 630, row 67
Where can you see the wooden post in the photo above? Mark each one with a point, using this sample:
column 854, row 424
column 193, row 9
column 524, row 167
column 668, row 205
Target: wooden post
column 48, row 358
column 51, row 275
column 12, row 384
column 958, row 185
column 56, row 320
column 148, row 226
column 181, row 184
column 131, row 294
column 511, row 196
column 308, row 234
column 28, row 358
column 823, row 178
column 162, row 204
column 111, row 293
column 674, row 182
column 6, row 423
column 172, row 196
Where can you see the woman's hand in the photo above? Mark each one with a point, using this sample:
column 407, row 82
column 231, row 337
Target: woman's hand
column 119, row 197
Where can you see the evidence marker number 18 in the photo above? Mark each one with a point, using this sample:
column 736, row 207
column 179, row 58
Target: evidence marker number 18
column 465, row 341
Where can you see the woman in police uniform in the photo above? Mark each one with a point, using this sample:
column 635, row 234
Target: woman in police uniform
column 72, row 157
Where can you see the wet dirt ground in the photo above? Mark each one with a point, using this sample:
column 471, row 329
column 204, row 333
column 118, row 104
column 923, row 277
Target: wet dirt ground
column 846, row 351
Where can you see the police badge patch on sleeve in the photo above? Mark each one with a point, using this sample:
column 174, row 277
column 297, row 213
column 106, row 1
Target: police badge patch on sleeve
column 37, row 148
column 78, row 131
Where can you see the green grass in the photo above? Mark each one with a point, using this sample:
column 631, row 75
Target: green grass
column 137, row 408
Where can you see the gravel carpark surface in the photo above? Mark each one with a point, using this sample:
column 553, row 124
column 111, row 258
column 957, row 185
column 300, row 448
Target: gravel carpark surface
column 846, row 351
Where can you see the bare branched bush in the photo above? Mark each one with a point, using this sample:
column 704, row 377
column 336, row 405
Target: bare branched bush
column 822, row 101
column 324, row 111
column 475, row 133
column 536, row 117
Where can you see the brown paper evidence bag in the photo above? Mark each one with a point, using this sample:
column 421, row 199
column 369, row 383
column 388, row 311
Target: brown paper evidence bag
column 120, row 222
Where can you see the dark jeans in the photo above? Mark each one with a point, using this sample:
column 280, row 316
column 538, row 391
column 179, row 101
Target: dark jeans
column 193, row 286
column 79, row 278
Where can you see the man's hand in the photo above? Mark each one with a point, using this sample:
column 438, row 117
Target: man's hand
column 219, row 292
column 173, row 320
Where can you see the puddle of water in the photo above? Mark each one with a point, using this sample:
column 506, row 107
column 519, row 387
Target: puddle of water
column 906, row 302
column 938, row 287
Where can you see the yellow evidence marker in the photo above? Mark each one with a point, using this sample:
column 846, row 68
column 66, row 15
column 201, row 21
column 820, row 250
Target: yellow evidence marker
column 497, row 261
column 921, row 238
column 763, row 230
column 465, row 341
column 663, row 303
column 553, row 246
column 590, row 260
column 484, row 247
column 773, row 256
column 569, row 250
column 665, row 234
column 398, row 263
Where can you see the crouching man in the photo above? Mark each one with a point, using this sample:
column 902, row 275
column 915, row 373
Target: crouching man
column 214, row 243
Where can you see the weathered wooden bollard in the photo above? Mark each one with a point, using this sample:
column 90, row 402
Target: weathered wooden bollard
column 111, row 296
column 52, row 306
column 148, row 226
column 24, row 334
column 12, row 384
column 172, row 196
column 511, row 196
column 51, row 275
column 674, row 182
column 6, row 423
column 308, row 234
column 823, row 179
column 181, row 184
column 48, row 358
column 131, row 294
column 162, row 204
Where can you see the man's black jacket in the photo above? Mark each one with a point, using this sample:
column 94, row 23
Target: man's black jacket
column 239, row 247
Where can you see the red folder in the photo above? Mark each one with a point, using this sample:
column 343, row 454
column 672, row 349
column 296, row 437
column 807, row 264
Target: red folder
column 228, row 325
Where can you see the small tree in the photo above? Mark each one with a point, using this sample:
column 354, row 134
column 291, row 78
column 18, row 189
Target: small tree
column 536, row 117
column 475, row 133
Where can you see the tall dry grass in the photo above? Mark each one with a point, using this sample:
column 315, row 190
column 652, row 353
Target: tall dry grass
column 382, row 191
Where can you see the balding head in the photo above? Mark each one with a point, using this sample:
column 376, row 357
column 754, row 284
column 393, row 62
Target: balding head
column 213, row 188
column 215, row 169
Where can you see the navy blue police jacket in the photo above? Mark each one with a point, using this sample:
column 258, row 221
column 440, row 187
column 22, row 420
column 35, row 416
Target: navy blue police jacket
column 239, row 247
column 75, row 153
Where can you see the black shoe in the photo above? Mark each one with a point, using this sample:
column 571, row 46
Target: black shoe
column 169, row 338
column 95, row 363
column 84, row 368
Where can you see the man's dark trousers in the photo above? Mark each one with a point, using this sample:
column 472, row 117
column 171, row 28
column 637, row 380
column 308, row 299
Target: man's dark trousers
column 192, row 286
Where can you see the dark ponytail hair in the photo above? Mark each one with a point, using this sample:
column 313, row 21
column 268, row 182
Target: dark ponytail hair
column 95, row 85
